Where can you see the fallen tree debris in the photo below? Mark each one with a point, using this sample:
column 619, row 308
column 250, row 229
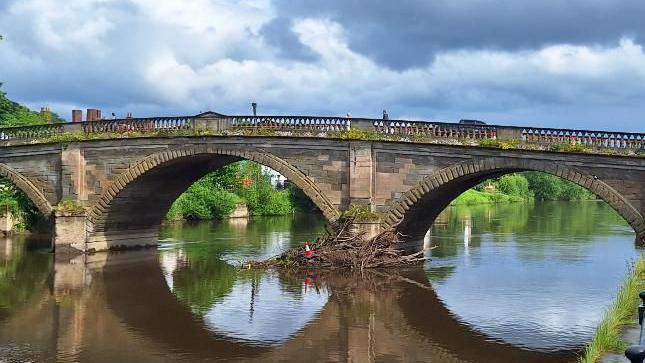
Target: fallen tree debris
column 344, row 246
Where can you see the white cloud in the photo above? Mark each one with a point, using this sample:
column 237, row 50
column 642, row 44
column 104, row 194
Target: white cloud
column 162, row 56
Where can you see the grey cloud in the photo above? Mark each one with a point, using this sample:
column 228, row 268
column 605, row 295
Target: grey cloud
column 408, row 33
column 278, row 33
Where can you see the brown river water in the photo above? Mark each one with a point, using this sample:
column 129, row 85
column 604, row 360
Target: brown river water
column 506, row 283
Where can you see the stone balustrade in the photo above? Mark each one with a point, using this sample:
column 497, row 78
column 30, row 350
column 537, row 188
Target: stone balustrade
column 403, row 128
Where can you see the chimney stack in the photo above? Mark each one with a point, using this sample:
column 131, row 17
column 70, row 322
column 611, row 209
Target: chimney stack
column 93, row 114
column 77, row 115
column 129, row 115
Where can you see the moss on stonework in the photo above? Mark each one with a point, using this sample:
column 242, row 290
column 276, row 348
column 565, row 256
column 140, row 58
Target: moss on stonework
column 353, row 134
column 69, row 207
column 360, row 213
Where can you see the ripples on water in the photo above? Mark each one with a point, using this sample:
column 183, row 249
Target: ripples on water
column 512, row 283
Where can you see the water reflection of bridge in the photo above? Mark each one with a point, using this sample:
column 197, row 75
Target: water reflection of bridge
column 118, row 307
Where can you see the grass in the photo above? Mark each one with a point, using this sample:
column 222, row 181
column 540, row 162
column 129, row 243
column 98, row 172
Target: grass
column 620, row 313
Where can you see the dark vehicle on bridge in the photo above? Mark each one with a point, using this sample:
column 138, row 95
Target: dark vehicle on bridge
column 472, row 122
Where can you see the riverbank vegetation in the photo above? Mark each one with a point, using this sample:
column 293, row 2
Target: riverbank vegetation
column 14, row 114
column 219, row 193
column 523, row 187
column 619, row 314
column 13, row 201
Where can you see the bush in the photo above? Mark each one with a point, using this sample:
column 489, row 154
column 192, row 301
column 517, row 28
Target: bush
column 550, row 187
column 217, row 194
column 201, row 201
column 262, row 198
column 514, row 185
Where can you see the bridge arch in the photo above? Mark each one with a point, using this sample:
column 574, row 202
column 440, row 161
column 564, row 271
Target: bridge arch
column 163, row 176
column 419, row 207
column 27, row 187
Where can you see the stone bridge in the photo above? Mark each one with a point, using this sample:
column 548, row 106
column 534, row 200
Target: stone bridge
column 126, row 173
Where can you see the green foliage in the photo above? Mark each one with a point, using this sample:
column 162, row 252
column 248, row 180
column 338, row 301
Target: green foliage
column 69, row 207
column 261, row 197
column 15, row 201
column 357, row 134
column 14, row 114
column 550, row 187
column 473, row 197
column 226, row 177
column 217, row 194
column 523, row 187
column 500, row 144
column 360, row 213
column 514, row 185
column 620, row 313
column 570, row 148
column 203, row 201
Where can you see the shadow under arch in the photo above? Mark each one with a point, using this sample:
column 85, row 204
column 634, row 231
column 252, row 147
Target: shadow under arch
column 33, row 193
column 421, row 205
column 429, row 316
column 136, row 201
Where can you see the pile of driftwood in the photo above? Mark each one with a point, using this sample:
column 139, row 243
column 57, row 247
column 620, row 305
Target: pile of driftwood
column 344, row 246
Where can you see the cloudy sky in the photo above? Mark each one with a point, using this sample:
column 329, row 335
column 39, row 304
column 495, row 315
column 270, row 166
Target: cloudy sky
column 574, row 63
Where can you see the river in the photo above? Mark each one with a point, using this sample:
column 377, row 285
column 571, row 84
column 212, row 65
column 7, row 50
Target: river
column 505, row 283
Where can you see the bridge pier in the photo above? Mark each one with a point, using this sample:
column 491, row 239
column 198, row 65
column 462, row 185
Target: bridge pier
column 361, row 174
column 70, row 232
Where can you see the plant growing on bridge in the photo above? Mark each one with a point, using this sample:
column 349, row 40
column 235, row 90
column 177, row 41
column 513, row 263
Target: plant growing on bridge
column 357, row 134
column 69, row 207
column 571, row 148
column 500, row 144
column 360, row 213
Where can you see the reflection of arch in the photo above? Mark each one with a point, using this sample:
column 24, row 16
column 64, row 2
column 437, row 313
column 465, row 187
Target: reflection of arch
column 425, row 312
column 22, row 183
column 420, row 205
column 182, row 166
column 137, row 293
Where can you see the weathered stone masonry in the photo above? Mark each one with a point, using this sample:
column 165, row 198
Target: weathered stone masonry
column 127, row 185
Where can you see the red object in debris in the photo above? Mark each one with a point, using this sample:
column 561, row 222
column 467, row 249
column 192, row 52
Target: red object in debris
column 308, row 252
column 247, row 182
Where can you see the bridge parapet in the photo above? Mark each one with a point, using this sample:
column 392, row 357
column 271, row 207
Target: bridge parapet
column 412, row 130
column 30, row 132
column 292, row 123
column 139, row 124
column 609, row 139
